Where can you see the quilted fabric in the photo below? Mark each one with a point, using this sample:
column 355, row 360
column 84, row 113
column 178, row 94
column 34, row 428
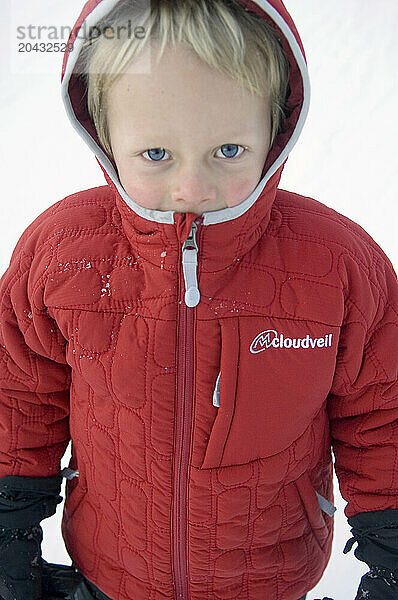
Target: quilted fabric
column 202, row 436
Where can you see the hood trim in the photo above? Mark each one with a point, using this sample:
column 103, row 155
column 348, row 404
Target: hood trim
column 213, row 217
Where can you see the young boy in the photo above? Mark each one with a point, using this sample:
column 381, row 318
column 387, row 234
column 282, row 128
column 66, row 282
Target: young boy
column 204, row 338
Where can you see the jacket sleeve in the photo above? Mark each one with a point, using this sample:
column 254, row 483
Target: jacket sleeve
column 363, row 400
column 34, row 375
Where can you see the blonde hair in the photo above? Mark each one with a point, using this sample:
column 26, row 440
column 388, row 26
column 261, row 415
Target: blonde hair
column 221, row 32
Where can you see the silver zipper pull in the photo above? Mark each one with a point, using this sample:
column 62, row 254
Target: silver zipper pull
column 325, row 505
column 189, row 265
column 216, row 393
column 69, row 473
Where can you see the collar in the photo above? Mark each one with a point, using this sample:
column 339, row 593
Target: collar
column 219, row 244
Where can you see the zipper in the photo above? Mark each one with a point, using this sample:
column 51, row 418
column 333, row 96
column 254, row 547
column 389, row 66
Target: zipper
column 216, row 392
column 325, row 505
column 69, row 473
column 189, row 265
column 185, row 389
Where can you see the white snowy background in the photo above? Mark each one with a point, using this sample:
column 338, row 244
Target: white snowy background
column 346, row 156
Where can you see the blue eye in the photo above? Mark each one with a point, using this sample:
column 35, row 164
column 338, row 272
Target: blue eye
column 230, row 150
column 155, row 154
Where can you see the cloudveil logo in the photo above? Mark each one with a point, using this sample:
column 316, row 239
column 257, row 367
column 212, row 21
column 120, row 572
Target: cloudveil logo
column 271, row 338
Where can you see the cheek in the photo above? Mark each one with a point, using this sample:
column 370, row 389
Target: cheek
column 144, row 192
column 237, row 191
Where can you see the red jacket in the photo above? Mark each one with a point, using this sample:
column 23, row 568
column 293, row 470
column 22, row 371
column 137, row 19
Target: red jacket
column 202, row 421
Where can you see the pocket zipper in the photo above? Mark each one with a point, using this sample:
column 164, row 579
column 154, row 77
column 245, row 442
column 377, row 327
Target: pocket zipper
column 325, row 505
column 69, row 473
column 216, row 393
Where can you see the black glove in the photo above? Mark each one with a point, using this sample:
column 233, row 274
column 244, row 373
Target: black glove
column 86, row 590
column 83, row 592
column 24, row 502
column 376, row 533
column 20, row 573
column 378, row 584
column 59, row 581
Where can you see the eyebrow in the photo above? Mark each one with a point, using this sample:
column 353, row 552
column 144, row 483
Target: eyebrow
column 222, row 138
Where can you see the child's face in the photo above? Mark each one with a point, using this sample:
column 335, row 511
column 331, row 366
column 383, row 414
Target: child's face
column 195, row 122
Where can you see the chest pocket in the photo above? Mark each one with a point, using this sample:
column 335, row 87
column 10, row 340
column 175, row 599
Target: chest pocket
column 272, row 382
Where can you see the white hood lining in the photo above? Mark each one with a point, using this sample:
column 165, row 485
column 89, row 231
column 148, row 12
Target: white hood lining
column 213, row 217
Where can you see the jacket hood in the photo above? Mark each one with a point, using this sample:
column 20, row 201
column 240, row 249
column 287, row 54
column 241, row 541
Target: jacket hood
column 297, row 104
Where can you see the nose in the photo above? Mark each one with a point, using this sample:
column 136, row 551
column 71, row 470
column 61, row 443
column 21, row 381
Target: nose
column 192, row 188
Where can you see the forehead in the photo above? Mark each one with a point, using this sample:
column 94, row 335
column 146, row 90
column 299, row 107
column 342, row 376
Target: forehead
column 181, row 89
